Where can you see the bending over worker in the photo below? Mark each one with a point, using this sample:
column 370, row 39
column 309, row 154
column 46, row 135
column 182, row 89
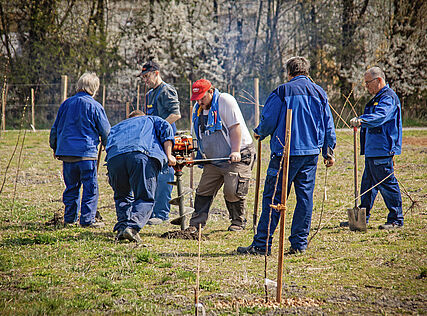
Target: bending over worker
column 312, row 132
column 221, row 132
column 74, row 138
column 380, row 140
column 161, row 100
column 137, row 150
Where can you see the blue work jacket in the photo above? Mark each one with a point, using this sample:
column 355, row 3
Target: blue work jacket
column 141, row 133
column 80, row 121
column 312, row 123
column 381, row 131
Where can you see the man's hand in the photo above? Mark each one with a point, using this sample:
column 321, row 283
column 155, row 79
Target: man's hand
column 171, row 160
column 355, row 122
column 54, row 156
column 235, row 156
column 256, row 136
column 329, row 162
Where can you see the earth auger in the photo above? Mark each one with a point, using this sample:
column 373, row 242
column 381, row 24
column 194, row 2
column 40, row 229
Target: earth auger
column 184, row 146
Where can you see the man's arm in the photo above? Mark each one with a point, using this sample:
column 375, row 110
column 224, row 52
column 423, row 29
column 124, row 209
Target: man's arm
column 172, row 118
column 384, row 112
column 269, row 117
column 235, row 140
column 167, row 146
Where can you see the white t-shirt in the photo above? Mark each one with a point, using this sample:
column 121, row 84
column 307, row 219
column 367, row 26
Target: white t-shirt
column 230, row 115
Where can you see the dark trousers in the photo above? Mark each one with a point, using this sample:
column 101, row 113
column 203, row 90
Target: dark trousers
column 302, row 173
column 376, row 169
column 133, row 177
column 77, row 174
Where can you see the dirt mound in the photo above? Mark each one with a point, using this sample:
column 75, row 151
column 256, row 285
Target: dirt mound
column 183, row 234
column 57, row 220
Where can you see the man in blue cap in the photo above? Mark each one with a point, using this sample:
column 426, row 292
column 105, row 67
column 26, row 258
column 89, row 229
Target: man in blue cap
column 137, row 150
column 312, row 133
column 161, row 100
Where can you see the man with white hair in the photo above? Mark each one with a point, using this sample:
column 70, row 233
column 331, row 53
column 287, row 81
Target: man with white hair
column 74, row 138
column 380, row 140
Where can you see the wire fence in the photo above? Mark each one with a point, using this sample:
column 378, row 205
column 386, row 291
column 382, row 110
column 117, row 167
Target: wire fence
column 116, row 97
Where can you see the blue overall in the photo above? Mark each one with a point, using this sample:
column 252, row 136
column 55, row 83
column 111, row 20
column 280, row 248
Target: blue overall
column 302, row 174
column 380, row 140
column 133, row 177
column 80, row 121
column 312, row 133
column 164, row 190
column 135, row 156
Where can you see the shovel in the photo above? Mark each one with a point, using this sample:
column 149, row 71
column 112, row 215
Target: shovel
column 356, row 215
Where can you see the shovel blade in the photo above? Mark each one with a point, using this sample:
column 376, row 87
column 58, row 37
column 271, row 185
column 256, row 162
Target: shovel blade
column 357, row 219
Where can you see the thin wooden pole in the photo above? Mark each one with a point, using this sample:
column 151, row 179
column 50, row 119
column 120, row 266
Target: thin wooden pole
column 256, row 96
column 192, row 154
column 257, row 183
column 285, row 169
column 127, row 109
column 33, row 120
column 3, row 106
column 198, row 273
column 137, row 97
column 64, row 87
column 103, row 95
column 356, row 181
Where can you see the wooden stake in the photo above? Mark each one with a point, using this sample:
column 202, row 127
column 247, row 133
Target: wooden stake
column 64, row 87
column 282, row 207
column 103, row 95
column 192, row 154
column 257, row 183
column 137, row 97
column 196, row 300
column 3, row 106
column 256, row 95
column 127, row 109
column 33, row 121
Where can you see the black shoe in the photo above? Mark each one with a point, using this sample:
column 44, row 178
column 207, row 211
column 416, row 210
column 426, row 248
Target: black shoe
column 251, row 250
column 120, row 236
column 235, row 228
column 293, row 251
column 389, row 226
column 131, row 234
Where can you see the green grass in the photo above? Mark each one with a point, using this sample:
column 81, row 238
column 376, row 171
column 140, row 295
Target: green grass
column 50, row 270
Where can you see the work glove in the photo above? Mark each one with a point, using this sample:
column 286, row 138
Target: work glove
column 355, row 122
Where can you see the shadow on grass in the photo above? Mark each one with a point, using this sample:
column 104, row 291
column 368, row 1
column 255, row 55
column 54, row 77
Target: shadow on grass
column 204, row 255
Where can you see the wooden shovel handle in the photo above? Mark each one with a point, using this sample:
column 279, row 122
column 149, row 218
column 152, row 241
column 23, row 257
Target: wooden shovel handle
column 356, row 181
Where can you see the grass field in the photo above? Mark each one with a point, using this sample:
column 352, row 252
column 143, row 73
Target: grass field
column 59, row 271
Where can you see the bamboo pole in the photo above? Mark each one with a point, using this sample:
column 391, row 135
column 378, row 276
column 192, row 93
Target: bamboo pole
column 196, row 290
column 282, row 207
column 103, row 95
column 256, row 96
column 33, row 120
column 137, row 97
column 64, row 87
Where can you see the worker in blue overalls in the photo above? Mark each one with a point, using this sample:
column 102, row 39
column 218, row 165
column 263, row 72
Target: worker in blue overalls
column 380, row 140
column 161, row 100
column 312, row 133
column 137, row 149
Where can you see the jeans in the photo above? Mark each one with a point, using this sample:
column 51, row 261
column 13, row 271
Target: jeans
column 376, row 169
column 163, row 194
column 76, row 174
column 133, row 177
column 302, row 173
